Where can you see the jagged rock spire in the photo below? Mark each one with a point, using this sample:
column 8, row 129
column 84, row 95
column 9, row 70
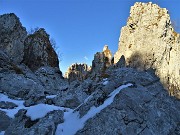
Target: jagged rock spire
column 149, row 41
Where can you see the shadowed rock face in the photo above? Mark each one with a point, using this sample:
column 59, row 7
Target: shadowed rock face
column 38, row 51
column 12, row 36
column 149, row 41
column 143, row 109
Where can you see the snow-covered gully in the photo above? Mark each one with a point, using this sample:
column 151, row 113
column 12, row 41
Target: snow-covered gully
column 34, row 112
column 73, row 122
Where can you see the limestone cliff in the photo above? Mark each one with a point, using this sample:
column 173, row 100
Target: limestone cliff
column 77, row 72
column 12, row 36
column 149, row 41
column 38, row 51
column 102, row 60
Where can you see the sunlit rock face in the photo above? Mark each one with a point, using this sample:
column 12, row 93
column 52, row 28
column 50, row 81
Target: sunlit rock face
column 149, row 41
column 12, row 36
column 102, row 60
column 39, row 52
column 77, row 71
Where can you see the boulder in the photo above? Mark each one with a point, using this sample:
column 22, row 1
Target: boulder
column 52, row 80
column 22, row 124
column 7, row 105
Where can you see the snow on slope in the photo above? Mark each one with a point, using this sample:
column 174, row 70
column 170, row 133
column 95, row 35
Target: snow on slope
column 73, row 122
column 34, row 112
column 11, row 112
column 40, row 110
column 2, row 132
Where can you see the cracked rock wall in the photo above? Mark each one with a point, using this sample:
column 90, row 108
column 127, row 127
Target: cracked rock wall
column 149, row 41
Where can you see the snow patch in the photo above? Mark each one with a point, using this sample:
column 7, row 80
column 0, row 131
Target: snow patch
column 105, row 83
column 51, row 96
column 34, row 112
column 40, row 110
column 11, row 112
column 2, row 132
column 73, row 122
column 7, row 99
column 105, row 79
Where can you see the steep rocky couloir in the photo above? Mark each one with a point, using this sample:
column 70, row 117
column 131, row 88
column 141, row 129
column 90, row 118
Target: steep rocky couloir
column 149, row 41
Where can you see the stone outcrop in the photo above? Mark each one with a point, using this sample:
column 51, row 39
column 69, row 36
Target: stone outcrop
column 16, row 79
column 149, row 41
column 102, row 60
column 38, row 51
column 107, row 54
column 5, row 121
column 51, row 78
column 143, row 109
column 22, row 124
column 12, row 36
column 77, row 72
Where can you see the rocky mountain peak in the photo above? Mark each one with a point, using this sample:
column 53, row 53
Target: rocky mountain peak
column 149, row 41
column 41, row 32
column 38, row 51
column 77, row 71
column 12, row 36
column 107, row 52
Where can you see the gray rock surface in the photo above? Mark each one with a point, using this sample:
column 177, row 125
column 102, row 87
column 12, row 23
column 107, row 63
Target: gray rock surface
column 18, row 85
column 23, row 125
column 52, row 80
column 4, row 120
column 150, row 41
column 38, row 51
column 12, row 36
column 145, row 108
column 71, row 97
column 7, row 105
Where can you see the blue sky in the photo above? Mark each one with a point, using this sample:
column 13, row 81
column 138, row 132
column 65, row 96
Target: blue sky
column 80, row 27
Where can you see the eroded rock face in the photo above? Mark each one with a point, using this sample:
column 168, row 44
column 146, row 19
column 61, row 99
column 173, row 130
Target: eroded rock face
column 144, row 108
column 51, row 79
column 77, row 72
column 5, row 121
column 149, row 40
column 102, row 60
column 44, row 126
column 12, row 36
column 38, row 51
